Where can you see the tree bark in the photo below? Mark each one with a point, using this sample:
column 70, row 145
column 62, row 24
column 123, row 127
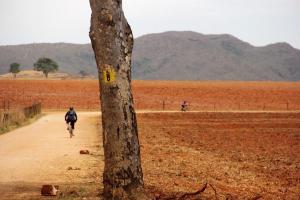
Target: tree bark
column 112, row 41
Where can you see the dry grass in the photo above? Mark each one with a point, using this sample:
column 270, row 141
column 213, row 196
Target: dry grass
column 10, row 120
column 35, row 75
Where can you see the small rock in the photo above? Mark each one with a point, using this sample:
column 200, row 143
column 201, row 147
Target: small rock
column 73, row 168
column 49, row 190
column 84, row 152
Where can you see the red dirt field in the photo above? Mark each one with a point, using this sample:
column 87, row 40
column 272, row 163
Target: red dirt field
column 241, row 155
column 150, row 95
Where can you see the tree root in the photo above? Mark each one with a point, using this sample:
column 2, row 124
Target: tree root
column 216, row 194
column 202, row 189
column 185, row 195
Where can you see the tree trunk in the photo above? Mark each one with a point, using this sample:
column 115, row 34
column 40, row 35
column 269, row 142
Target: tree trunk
column 112, row 41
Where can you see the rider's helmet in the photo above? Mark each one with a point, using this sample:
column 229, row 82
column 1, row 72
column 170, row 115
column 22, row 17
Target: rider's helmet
column 71, row 108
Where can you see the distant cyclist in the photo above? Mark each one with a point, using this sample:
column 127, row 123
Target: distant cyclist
column 184, row 106
column 71, row 118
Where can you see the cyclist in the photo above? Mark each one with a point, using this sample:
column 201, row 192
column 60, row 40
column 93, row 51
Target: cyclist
column 184, row 106
column 71, row 117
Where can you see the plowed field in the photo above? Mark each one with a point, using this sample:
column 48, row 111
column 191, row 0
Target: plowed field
column 156, row 95
column 241, row 155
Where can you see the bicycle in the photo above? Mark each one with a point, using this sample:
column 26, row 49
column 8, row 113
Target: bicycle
column 71, row 118
column 71, row 130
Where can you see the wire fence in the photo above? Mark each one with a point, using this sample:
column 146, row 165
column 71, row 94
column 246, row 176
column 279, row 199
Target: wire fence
column 163, row 96
column 169, row 105
column 93, row 104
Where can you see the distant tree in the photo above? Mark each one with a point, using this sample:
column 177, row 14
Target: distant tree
column 14, row 69
column 83, row 73
column 46, row 65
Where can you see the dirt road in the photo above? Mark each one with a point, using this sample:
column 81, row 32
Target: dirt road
column 42, row 152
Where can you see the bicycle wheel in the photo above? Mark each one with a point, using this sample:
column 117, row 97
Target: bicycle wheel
column 70, row 130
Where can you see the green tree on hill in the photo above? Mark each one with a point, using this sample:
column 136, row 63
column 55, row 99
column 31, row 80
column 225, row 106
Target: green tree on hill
column 14, row 69
column 46, row 65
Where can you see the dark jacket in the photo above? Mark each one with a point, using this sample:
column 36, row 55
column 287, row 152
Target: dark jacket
column 71, row 116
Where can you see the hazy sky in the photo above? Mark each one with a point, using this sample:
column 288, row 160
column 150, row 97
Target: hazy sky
column 258, row 22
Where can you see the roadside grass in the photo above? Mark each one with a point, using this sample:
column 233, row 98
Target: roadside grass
column 18, row 124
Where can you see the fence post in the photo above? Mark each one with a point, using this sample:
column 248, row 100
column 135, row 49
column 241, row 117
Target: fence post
column 164, row 105
column 287, row 105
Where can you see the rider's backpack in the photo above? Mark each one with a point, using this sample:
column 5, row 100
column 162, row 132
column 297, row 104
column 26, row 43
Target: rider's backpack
column 71, row 115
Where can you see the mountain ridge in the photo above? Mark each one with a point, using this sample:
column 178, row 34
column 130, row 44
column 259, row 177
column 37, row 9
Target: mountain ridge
column 174, row 55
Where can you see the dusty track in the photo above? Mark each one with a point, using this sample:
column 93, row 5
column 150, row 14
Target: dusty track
column 42, row 152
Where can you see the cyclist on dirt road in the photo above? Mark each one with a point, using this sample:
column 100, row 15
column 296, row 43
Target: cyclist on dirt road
column 71, row 117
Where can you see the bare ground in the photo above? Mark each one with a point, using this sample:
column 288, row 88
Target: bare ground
column 241, row 155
